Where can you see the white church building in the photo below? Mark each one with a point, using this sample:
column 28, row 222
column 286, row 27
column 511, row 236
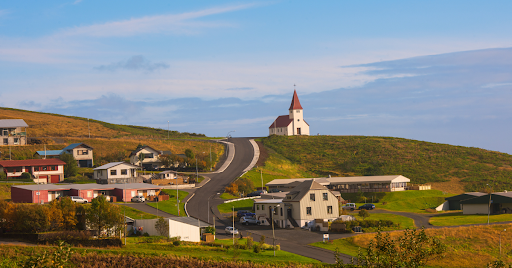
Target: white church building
column 291, row 124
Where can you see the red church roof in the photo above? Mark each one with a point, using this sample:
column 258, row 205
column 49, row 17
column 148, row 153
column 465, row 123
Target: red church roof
column 31, row 162
column 295, row 102
column 281, row 121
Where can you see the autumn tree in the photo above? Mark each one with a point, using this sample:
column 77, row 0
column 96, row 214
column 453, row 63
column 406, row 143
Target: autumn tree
column 189, row 154
column 363, row 213
column 166, row 160
column 104, row 216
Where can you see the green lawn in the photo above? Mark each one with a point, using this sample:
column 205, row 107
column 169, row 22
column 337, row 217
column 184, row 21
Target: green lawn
column 136, row 245
column 345, row 246
column 136, row 214
column 169, row 206
column 404, row 222
column 451, row 219
column 239, row 205
column 228, row 196
column 406, row 201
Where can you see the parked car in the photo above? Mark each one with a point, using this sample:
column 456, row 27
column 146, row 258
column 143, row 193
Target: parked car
column 78, row 199
column 138, row 198
column 349, row 206
column 249, row 220
column 241, row 213
column 367, row 206
column 275, row 190
column 257, row 193
column 231, row 230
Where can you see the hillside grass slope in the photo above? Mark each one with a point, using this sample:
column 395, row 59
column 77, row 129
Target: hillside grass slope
column 468, row 168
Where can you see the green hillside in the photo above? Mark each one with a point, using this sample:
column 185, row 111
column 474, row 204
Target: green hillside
column 422, row 162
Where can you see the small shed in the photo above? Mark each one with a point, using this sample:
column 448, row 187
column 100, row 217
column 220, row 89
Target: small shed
column 454, row 201
column 187, row 228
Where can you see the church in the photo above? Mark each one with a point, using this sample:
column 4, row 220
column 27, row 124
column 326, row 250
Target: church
column 291, row 124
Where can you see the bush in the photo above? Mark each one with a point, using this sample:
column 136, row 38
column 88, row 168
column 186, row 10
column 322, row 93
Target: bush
column 26, row 175
column 3, row 176
column 431, row 210
column 256, row 248
column 250, row 242
column 176, row 243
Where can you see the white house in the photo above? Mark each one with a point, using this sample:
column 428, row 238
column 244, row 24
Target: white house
column 291, row 124
column 307, row 202
column 13, row 132
column 115, row 172
column 187, row 228
column 150, row 161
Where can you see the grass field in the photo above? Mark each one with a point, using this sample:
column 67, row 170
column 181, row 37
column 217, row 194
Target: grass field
column 420, row 161
column 405, row 222
column 136, row 214
column 472, row 246
column 406, row 201
column 239, row 205
column 169, row 206
column 452, row 219
column 228, row 196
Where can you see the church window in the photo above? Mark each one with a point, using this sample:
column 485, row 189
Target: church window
column 298, row 111
column 298, row 120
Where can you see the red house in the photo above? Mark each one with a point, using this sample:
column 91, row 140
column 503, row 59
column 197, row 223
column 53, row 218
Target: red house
column 42, row 170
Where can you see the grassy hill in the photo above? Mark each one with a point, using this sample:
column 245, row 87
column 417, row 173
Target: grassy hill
column 449, row 168
column 108, row 140
column 55, row 125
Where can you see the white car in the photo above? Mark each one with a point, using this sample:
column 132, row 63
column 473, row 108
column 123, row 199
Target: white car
column 249, row 220
column 78, row 199
column 231, row 230
column 349, row 206
column 138, row 198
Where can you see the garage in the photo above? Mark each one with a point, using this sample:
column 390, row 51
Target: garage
column 54, row 178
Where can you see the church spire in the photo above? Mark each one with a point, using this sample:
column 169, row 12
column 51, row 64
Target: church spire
column 295, row 105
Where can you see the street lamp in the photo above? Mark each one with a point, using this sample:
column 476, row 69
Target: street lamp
column 209, row 208
column 273, row 233
column 233, row 231
column 227, row 136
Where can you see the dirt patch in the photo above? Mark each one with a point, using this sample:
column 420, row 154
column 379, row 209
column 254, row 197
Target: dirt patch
column 263, row 154
column 454, row 186
column 58, row 140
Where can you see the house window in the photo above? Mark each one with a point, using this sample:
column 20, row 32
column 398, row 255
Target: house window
column 325, row 196
column 281, row 211
column 89, row 194
column 262, row 207
column 308, row 210
column 312, row 197
column 275, row 211
column 6, row 141
column 329, row 209
column 113, row 172
column 16, row 141
column 124, row 172
column 82, row 152
column 257, row 207
column 148, row 155
column 5, row 132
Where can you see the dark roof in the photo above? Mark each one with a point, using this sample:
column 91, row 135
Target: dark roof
column 143, row 147
column 295, row 105
column 74, row 145
column 302, row 189
column 281, row 121
column 13, row 123
column 497, row 198
column 31, row 162
column 465, row 196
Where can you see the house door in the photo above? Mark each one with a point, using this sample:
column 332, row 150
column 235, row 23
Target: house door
column 298, row 131
column 289, row 213
column 54, row 178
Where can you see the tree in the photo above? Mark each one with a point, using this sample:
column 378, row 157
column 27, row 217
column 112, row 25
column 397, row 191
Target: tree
column 104, row 216
column 363, row 213
column 166, row 160
column 162, row 227
column 71, row 168
column 412, row 249
column 189, row 154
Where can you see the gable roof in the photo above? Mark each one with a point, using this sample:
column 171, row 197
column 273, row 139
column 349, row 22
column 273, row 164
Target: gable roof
column 49, row 152
column 295, row 105
column 464, row 196
column 12, row 123
column 113, row 164
column 74, row 145
column 31, row 162
column 143, row 147
column 302, row 189
column 281, row 121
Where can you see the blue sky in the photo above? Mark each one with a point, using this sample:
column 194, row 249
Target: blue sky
column 433, row 70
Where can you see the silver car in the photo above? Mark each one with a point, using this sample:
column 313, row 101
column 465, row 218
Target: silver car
column 138, row 198
column 231, row 230
column 78, row 199
column 249, row 220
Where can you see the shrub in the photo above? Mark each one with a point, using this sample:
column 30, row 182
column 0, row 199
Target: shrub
column 256, row 248
column 26, row 175
column 176, row 243
column 250, row 242
column 3, row 176
column 262, row 240
column 431, row 210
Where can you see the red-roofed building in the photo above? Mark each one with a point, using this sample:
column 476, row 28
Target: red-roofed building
column 42, row 170
column 291, row 124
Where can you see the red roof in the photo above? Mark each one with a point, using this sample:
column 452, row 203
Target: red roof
column 281, row 121
column 295, row 102
column 31, row 162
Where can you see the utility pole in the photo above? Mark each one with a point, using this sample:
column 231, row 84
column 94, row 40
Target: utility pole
column 167, row 129
column 210, row 157
column 88, row 128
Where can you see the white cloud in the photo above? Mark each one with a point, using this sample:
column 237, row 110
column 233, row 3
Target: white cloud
column 492, row 85
column 158, row 24
column 4, row 12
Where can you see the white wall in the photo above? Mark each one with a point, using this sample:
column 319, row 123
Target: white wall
column 187, row 232
column 475, row 208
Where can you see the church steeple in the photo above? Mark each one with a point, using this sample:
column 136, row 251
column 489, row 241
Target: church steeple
column 295, row 105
